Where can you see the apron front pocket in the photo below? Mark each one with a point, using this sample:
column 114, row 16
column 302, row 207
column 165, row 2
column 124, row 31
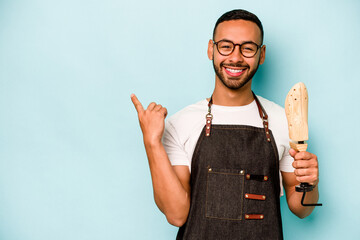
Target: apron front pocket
column 224, row 194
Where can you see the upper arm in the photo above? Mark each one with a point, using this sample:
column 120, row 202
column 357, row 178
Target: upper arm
column 174, row 146
column 177, row 155
column 287, row 171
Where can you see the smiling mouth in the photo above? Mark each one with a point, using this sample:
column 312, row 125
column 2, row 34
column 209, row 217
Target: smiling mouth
column 233, row 71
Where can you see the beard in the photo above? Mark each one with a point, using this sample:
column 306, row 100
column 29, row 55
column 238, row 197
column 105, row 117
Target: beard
column 234, row 83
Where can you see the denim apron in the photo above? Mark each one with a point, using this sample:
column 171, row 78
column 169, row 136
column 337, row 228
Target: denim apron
column 235, row 185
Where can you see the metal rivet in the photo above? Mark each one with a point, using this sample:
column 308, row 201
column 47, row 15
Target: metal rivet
column 242, row 171
column 265, row 178
column 267, row 132
column 246, row 216
column 247, row 176
column 210, row 169
column 268, row 139
column 246, row 195
column 207, row 127
column 263, row 197
column 261, row 216
column 208, row 134
column 208, row 121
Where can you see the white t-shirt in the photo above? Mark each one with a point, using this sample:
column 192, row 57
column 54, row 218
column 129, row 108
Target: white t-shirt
column 182, row 130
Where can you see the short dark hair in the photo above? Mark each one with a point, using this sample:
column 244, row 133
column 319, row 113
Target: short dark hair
column 240, row 14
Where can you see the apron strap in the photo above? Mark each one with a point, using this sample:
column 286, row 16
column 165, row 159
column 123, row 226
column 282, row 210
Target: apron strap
column 262, row 113
column 264, row 117
column 209, row 118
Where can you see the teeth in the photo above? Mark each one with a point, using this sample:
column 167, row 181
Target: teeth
column 234, row 70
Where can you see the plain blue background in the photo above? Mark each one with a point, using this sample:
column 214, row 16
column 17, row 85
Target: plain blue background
column 72, row 162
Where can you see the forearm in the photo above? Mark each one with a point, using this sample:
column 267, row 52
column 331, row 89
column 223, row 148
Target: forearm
column 294, row 201
column 172, row 198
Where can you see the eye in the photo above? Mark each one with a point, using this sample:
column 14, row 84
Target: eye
column 249, row 48
column 226, row 46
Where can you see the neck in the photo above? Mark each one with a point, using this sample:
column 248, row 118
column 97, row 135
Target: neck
column 229, row 97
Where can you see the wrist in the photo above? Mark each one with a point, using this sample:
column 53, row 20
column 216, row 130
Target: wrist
column 152, row 143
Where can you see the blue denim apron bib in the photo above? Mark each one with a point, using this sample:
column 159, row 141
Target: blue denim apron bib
column 235, row 185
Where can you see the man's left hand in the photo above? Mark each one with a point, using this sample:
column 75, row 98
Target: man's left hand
column 306, row 167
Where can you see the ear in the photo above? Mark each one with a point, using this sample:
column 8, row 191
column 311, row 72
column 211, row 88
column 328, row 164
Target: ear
column 262, row 54
column 210, row 50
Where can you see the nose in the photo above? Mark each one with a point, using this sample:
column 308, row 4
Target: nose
column 236, row 55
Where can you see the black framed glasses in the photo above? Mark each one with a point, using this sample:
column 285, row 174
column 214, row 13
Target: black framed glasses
column 247, row 49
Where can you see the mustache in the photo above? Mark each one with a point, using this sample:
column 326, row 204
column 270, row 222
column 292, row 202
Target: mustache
column 238, row 64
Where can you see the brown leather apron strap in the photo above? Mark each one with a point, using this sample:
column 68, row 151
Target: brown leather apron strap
column 254, row 216
column 209, row 118
column 264, row 117
column 255, row 196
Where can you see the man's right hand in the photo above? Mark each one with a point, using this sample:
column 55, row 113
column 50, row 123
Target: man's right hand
column 152, row 120
column 171, row 183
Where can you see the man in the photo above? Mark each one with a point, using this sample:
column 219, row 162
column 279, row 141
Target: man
column 215, row 168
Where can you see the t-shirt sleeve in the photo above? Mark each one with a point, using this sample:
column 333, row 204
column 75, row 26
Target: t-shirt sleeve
column 173, row 146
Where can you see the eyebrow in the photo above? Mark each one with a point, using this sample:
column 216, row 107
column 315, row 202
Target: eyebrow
column 225, row 39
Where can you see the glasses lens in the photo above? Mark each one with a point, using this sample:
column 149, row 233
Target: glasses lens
column 249, row 49
column 225, row 48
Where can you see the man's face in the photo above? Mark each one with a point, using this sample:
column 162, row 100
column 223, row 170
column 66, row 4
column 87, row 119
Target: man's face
column 235, row 70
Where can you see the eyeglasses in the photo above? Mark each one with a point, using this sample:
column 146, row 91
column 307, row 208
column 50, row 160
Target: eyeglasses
column 247, row 49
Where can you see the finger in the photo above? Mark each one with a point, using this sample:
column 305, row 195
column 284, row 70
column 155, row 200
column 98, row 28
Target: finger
column 311, row 163
column 138, row 106
column 292, row 152
column 303, row 156
column 307, row 179
column 301, row 164
column 301, row 172
column 302, row 179
column 164, row 111
column 158, row 107
column 151, row 106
